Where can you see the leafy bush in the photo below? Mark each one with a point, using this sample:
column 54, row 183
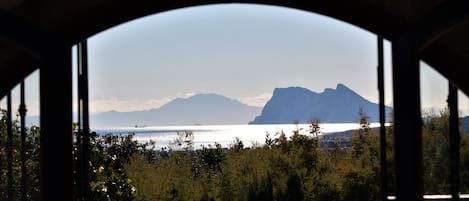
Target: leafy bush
column 293, row 168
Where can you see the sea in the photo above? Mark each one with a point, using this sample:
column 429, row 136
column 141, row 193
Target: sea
column 224, row 135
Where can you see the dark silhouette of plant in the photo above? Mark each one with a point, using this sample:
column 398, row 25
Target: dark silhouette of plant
column 184, row 140
column 31, row 157
column 286, row 168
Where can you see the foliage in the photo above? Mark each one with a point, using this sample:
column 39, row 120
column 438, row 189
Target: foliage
column 435, row 138
column 108, row 154
column 285, row 168
column 184, row 139
column 293, row 168
column 31, row 157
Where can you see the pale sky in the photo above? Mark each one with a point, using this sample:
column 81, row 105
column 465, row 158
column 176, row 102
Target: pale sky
column 242, row 51
column 237, row 50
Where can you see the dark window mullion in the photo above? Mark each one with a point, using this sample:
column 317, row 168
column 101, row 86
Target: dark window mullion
column 83, row 115
column 382, row 119
column 22, row 111
column 454, row 141
column 9, row 148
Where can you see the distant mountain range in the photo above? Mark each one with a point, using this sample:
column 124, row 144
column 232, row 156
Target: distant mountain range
column 286, row 106
column 198, row 109
column 296, row 104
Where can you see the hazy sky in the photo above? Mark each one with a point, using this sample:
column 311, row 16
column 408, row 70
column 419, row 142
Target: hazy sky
column 242, row 51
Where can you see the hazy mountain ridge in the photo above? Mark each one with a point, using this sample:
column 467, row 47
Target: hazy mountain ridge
column 286, row 106
column 340, row 105
column 197, row 109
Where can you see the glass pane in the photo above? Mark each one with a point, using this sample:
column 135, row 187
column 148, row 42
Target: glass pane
column 463, row 102
column 243, row 102
column 31, row 156
column 435, row 132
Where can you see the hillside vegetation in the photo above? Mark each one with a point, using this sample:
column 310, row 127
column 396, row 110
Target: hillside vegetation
column 294, row 168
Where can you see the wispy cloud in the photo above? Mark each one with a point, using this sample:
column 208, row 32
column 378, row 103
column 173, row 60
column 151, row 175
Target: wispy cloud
column 102, row 105
column 185, row 94
column 258, row 101
column 372, row 99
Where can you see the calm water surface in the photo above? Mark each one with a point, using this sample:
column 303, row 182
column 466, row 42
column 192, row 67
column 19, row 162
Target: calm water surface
column 225, row 135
